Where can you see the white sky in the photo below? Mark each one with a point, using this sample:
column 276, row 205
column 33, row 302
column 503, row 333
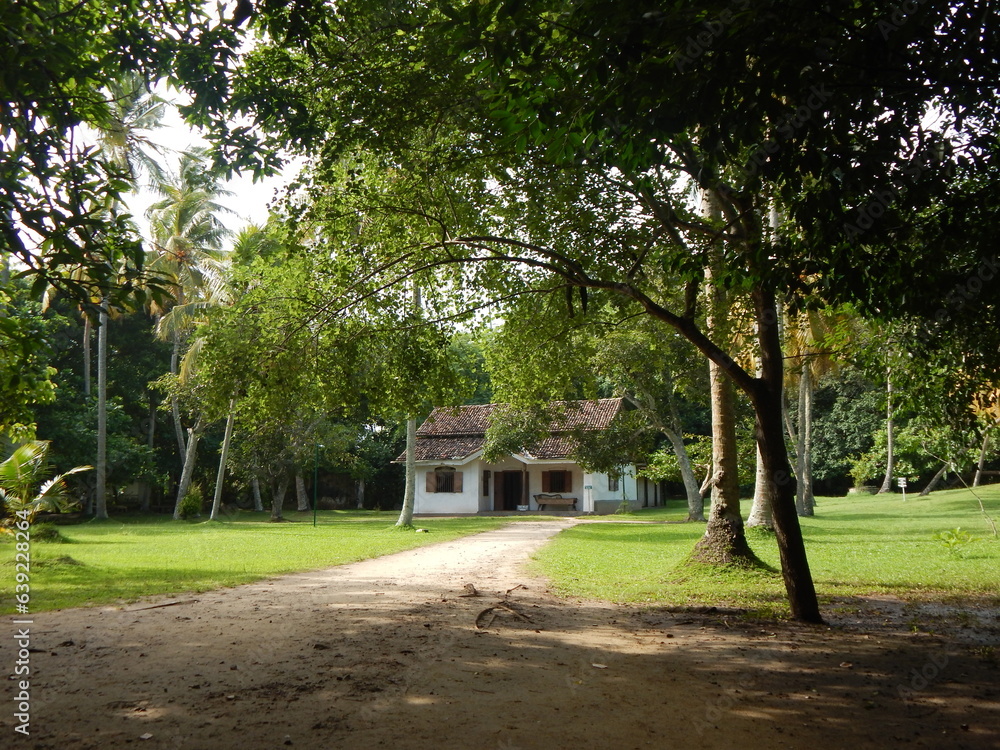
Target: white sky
column 249, row 202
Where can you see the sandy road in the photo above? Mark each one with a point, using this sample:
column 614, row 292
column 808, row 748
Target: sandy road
column 387, row 653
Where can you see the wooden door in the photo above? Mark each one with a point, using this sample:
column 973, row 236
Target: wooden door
column 508, row 490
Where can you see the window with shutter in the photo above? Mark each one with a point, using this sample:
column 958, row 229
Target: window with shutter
column 557, row 481
column 444, row 479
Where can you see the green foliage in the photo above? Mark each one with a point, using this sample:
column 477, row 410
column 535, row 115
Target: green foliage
column 26, row 375
column 918, row 452
column 58, row 58
column 70, row 422
column 626, row 441
column 662, row 466
column 26, row 489
column 955, row 540
column 46, row 532
column 849, row 412
column 193, row 502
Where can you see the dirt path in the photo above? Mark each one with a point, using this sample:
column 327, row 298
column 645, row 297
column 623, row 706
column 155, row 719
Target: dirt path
column 386, row 653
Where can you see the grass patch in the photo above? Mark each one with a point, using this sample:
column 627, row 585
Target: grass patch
column 123, row 560
column 861, row 545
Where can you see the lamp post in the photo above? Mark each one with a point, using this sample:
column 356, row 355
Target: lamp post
column 315, row 480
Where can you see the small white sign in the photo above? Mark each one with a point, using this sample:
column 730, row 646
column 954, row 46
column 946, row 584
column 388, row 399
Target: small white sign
column 902, row 482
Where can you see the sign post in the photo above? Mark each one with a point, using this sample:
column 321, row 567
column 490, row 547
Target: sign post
column 902, row 486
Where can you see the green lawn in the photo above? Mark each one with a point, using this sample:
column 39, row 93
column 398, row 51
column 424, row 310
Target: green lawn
column 122, row 560
column 856, row 546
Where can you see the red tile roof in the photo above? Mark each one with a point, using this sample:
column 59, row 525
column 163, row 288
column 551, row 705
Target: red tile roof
column 456, row 432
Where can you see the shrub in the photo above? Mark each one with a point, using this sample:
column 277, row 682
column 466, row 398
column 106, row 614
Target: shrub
column 955, row 540
column 46, row 532
column 192, row 502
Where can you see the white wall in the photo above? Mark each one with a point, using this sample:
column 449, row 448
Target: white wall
column 472, row 500
column 608, row 501
column 466, row 501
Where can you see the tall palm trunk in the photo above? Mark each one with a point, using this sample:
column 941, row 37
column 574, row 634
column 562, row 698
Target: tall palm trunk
column 175, row 408
column 890, row 462
column 406, row 514
column 223, row 457
column 983, row 452
column 409, row 491
column 101, row 469
column 724, row 540
column 760, row 511
column 804, row 500
column 87, row 331
column 146, row 490
column 301, row 496
column 187, row 473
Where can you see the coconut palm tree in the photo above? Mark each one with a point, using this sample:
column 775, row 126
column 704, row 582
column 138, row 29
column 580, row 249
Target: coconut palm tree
column 25, row 490
column 187, row 251
column 133, row 113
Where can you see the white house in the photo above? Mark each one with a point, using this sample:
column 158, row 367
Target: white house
column 452, row 476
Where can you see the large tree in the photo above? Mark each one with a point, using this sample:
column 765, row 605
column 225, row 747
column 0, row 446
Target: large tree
column 869, row 127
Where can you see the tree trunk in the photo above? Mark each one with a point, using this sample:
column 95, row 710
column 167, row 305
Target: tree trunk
column 301, row 496
column 278, row 498
column 982, row 460
column 766, row 396
column 724, row 541
column 187, row 473
column 360, row 493
column 760, row 511
column 258, row 503
column 706, row 484
column 406, row 514
column 147, row 489
column 101, row 470
column 87, row 329
column 224, row 455
column 935, row 480
column 890, row 463
column 695, row 501
column 807, row 478
column 674, row 433
column 804, row 500
column 175, row 408
column 405, row 519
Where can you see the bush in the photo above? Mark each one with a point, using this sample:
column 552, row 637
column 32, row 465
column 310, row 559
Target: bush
column 46, row 532
column 192, row 502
